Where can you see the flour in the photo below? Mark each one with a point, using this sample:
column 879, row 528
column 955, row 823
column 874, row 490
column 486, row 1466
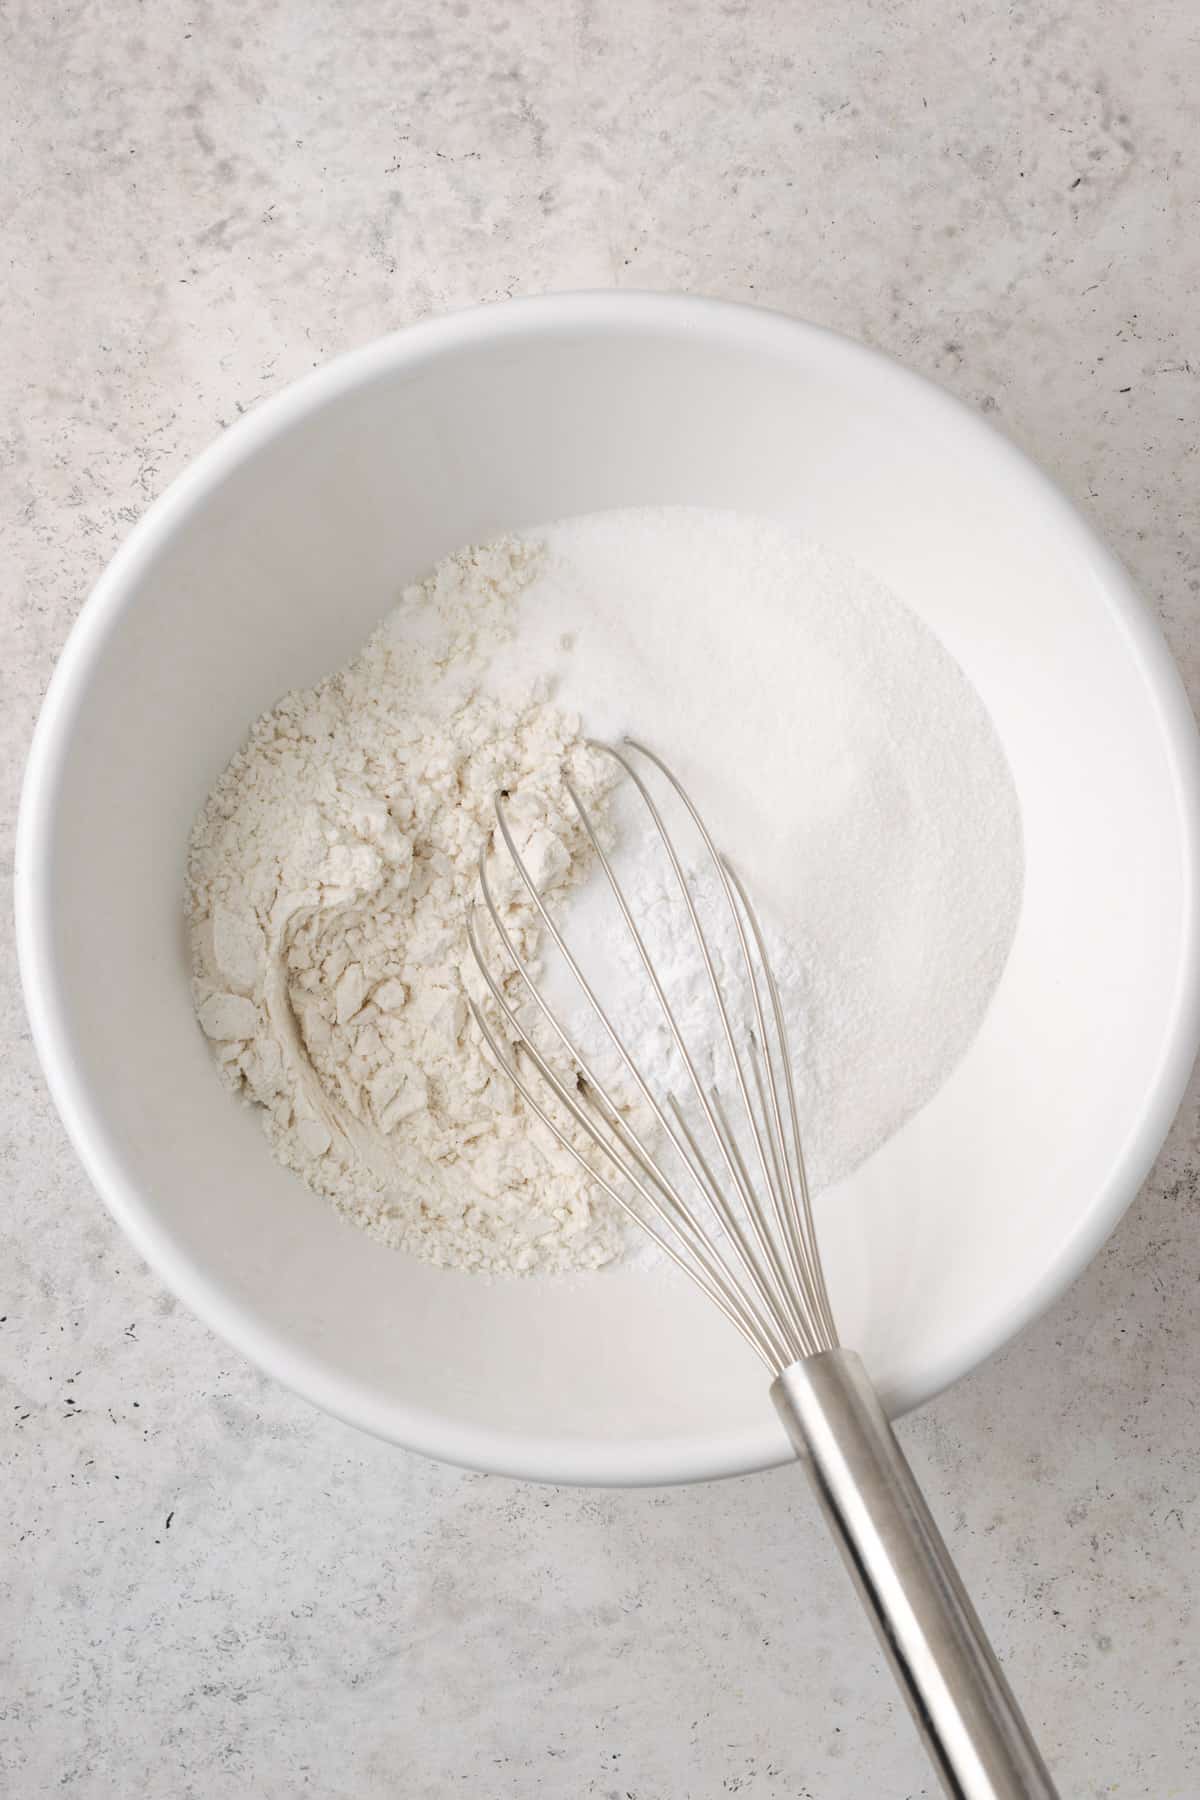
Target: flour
column 837, row 750
column 329, row 876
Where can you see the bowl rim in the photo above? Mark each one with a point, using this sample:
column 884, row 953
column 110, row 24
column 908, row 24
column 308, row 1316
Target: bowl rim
column 629, row 1462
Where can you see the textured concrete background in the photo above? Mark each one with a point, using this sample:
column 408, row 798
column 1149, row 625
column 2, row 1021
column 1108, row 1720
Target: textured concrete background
column 209, row 1589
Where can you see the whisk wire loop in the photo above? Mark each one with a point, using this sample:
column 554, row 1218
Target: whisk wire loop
column 757, row 1258
column 709, row 1191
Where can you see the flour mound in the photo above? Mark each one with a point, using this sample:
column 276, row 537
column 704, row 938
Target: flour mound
column 329, row 878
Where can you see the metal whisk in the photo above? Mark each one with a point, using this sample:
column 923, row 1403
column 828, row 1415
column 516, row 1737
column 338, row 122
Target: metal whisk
column 729, row 1204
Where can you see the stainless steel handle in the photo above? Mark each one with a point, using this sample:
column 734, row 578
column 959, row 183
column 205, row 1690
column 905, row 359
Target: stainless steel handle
column 964, row 1708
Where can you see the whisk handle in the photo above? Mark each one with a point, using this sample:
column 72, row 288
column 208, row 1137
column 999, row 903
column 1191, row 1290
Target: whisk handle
column 963, row 1706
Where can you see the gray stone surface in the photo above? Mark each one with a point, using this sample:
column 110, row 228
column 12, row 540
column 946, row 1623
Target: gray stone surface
column 211, row 1590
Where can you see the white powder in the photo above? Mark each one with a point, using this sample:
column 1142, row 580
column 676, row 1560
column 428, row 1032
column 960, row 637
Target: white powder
column 838, row 752
column 843, row 762
column 328, row 880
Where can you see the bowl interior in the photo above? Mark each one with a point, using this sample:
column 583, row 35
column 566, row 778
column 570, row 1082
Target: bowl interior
column 269, row 564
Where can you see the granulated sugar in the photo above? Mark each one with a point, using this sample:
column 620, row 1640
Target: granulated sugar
column 843, row 762
column 840, row 755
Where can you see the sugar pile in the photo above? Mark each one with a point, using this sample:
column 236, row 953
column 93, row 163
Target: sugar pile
column 840, row 755
column 842, row 760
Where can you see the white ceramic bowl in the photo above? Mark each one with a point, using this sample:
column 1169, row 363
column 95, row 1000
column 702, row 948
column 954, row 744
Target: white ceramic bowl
column 266, row 565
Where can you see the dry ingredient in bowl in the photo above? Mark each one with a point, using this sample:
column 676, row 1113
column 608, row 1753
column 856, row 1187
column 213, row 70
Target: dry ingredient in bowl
column 328, row 879
column 843, row 758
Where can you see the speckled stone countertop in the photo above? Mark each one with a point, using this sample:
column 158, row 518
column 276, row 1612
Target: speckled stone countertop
column 211, row 1590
